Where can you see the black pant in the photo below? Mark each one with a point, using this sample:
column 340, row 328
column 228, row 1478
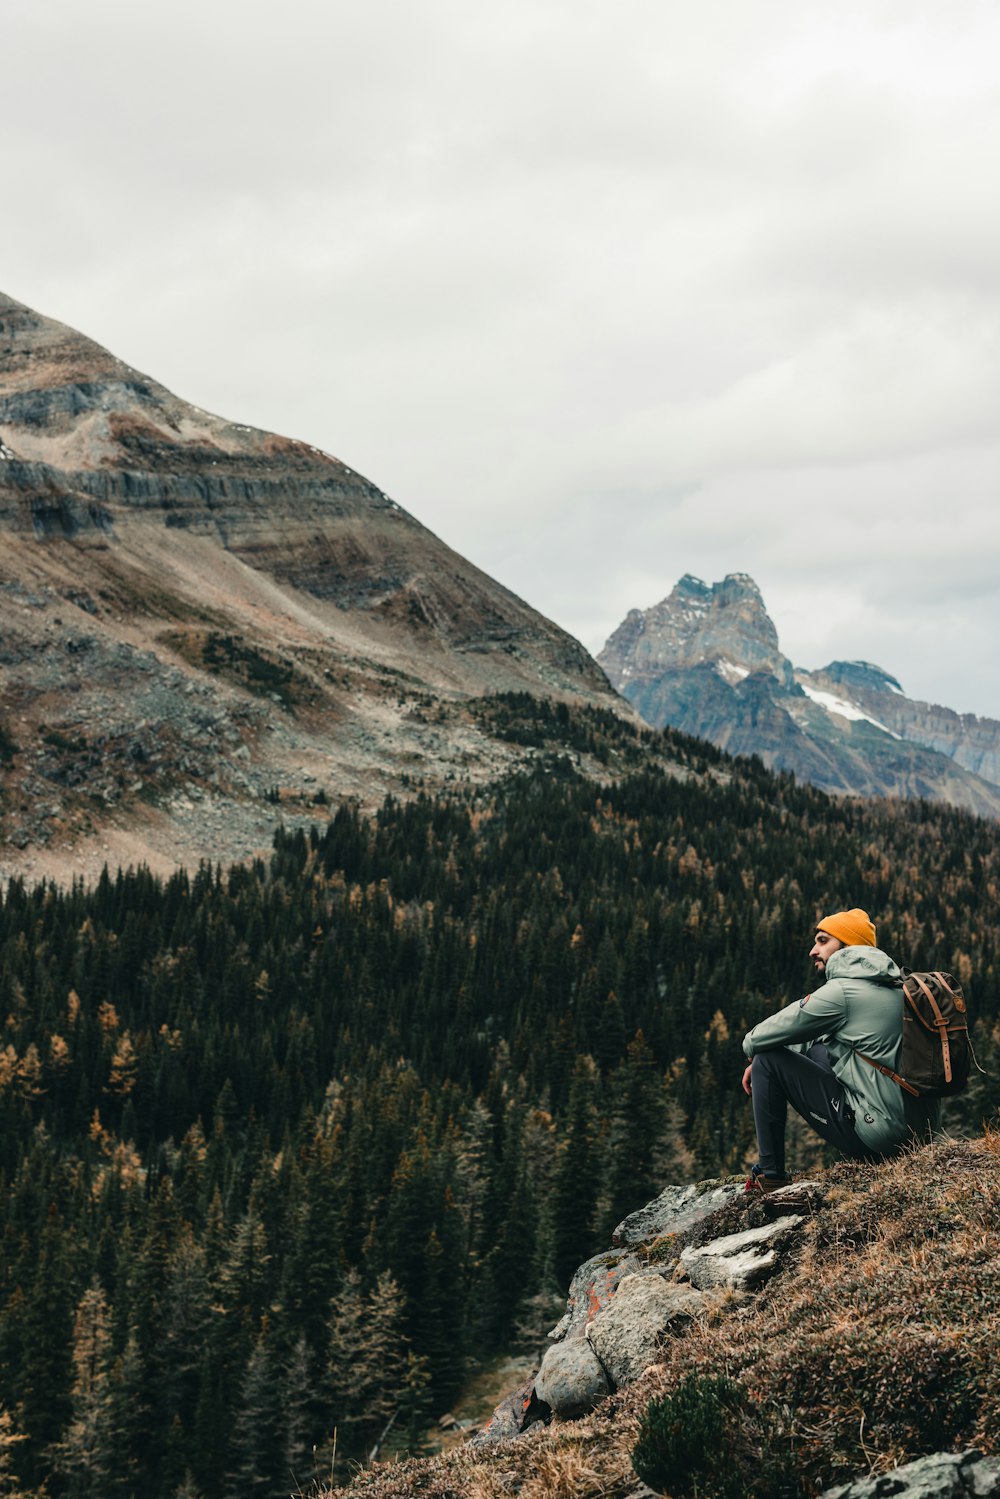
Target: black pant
column 781, row 1077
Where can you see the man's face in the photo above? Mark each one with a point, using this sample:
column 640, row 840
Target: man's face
column 823, row 946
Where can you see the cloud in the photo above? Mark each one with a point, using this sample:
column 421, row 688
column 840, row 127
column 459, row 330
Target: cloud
column 601, row 292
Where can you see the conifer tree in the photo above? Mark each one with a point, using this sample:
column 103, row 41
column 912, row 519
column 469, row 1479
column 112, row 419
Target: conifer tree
column 255, row 1464
column 577, row 1174
column 84, row 1450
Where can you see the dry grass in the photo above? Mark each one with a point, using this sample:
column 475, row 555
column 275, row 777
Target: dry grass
column 878, row 1341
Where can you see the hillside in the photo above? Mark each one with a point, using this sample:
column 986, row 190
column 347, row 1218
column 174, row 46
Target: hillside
column 873, row 1344
column 707, row 660
column 383, row 1091
column 202, row 620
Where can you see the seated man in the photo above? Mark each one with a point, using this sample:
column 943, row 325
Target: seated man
column 808, row 1055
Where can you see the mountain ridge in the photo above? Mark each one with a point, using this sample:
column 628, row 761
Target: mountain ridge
column 204, row 621
column 707, row 660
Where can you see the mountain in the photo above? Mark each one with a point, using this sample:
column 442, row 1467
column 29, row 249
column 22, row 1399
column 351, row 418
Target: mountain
column 707, row 660
column 202, row 621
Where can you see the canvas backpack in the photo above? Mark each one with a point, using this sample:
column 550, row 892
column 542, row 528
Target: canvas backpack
column 936, row 1052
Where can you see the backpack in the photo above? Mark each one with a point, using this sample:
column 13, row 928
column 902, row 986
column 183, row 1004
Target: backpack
column 936, row 1052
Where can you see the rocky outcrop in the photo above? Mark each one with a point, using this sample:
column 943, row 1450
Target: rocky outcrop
column 971, row 742
column 207, row 625
column 673, row 1212
column 706, row 660
column 625, row 1303
column 739, row 1262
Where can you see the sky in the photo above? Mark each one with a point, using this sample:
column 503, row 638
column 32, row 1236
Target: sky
column 601, row 291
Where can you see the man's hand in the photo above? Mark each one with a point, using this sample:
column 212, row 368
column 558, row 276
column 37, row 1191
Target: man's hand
column 746, row 1078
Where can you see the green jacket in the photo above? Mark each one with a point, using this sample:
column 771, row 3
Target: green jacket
column 858, row 1009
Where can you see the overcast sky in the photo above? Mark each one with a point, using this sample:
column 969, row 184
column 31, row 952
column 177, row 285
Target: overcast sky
column 602, row 291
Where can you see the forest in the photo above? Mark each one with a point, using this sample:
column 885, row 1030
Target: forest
column 285, row 1147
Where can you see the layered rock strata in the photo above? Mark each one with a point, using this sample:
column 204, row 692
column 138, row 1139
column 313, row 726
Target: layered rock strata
column 208, row 628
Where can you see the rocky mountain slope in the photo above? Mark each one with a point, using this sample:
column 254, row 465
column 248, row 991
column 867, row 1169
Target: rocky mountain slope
column 707, row 660
column 841, row 1332
column 201, row 621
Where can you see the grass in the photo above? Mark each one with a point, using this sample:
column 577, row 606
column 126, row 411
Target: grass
column 876, row 1343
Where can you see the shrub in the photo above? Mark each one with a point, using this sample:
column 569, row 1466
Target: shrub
column 687, row 1438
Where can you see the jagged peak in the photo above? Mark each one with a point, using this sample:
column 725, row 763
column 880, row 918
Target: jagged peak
column 689, row 583
column 744, row 580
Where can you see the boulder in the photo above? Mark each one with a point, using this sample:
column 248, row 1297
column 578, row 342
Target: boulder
column 943, row 1475
column 739, row 1261
column 592, row 1287
column 627, row 1334
column 572, row 1379
column 675, row 1210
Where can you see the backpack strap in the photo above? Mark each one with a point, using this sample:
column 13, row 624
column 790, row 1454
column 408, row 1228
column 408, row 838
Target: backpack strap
column 939, row 1019
column 888, row 1072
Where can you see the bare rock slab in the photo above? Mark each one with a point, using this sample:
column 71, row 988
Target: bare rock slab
column 629, row 1332
column 572, row 1379
column 738, row 1262
column 943, row 1475
column 675, row 1210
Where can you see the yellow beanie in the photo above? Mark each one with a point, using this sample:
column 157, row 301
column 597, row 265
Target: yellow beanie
column 852, row 928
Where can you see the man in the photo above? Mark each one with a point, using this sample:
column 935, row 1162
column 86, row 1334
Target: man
column 810, row 1054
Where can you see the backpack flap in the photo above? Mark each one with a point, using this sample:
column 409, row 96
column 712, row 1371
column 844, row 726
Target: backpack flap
column 935, row 1051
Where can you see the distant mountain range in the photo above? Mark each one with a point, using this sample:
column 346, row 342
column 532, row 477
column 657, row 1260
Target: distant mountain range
column 707, row 660
column 205, row 627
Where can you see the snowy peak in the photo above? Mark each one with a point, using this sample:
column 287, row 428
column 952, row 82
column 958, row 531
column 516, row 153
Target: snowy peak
column 707, row 660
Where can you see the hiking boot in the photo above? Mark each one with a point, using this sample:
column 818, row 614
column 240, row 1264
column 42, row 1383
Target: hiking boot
column 758, row 1182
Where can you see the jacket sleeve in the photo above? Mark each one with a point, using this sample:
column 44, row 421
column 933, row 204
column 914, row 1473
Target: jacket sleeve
column 804, row 1020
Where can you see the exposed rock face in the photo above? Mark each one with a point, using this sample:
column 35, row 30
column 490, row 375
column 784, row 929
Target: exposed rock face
column 197, row 615
column 629, row 1332
column 724, row 623
column 740, row 1262
column 706, row 660
column 971, row 742
column 943, row 1475
column 675, row 1210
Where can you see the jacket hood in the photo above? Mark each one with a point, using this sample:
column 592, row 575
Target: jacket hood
column 863, row 963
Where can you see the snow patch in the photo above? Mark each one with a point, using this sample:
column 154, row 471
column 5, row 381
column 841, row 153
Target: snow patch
column 844, row 708
column 730, row 672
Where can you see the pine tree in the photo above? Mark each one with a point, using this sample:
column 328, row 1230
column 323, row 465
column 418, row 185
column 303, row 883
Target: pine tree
column 84, row 1451
column 576, row 1183
column 255, row 1466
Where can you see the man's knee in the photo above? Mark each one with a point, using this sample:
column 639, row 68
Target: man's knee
column 766, row 1062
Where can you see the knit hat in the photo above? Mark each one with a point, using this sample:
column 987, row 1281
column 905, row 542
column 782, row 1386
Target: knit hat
column 852, row 928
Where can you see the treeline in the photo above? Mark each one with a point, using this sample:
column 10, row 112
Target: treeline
column 283, row 1146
